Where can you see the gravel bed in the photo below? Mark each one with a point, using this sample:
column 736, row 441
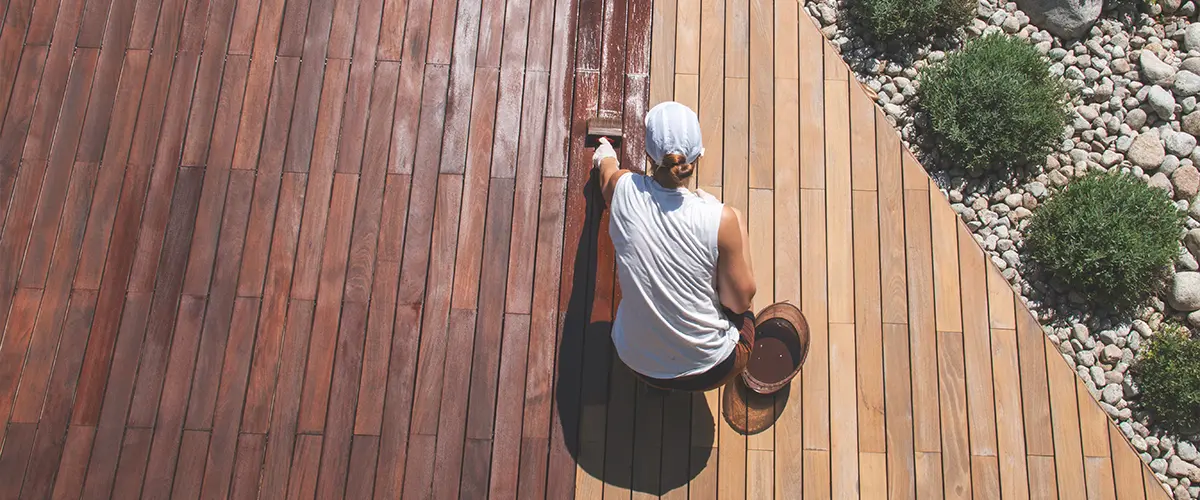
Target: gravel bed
column 1138, row 81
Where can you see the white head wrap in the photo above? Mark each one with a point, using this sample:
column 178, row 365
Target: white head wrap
column 672, row 128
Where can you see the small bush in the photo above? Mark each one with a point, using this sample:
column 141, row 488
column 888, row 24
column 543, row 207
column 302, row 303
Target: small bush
column 1168, row 380
column 1108, row 237
column 907, row 20
column 994, row 104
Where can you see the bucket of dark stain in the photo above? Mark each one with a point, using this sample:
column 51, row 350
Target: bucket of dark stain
column 780, row 346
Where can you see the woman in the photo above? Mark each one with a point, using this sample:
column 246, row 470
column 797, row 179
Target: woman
column 682, row 260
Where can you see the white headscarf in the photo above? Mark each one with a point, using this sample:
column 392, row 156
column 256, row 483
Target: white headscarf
column 672, row 128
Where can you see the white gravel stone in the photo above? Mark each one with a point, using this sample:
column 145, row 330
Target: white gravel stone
column 1161, row 181
column 1154, row 70
column 1191, row 37
column 1111, row 394
column 1111, row 354
column 1187, row 451
column 1186, row 83
column 1179, row 143
column 1162, row 102
column 1147, row 150
column 1185, row 292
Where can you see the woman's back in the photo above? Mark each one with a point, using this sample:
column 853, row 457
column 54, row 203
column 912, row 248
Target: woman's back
column 669, row 323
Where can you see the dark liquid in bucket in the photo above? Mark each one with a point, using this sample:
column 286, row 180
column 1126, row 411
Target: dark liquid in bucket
column 775, row 352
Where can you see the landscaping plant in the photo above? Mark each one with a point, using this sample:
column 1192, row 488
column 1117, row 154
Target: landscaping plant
column 1168, row 380
column 907, row 20
column 1109, row 237
column 994, row 104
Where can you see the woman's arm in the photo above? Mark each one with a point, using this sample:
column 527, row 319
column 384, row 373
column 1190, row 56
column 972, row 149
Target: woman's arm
column 735, row 276
column 609, row 169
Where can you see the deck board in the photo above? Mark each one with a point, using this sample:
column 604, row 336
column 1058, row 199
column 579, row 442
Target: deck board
column 355, row 248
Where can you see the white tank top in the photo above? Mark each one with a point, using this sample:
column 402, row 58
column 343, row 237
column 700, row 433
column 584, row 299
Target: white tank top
column 669, row 323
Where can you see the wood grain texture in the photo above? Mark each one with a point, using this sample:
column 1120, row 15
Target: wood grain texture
column 269, row 248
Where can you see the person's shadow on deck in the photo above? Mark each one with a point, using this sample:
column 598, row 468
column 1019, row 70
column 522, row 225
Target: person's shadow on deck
column 617, row 429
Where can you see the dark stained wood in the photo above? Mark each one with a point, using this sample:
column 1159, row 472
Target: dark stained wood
column 365, row 236
column 150, row 238
column 68, row 481
column 505, row 452
column 105, row 326
column 379, row 328
column 467, row 266
column 276, row 466
column 230, row 395
column 415, row 91
column 153, row 361
column 16, row 232
column 16, row 343
column 291, row 33
column 190, row 469
column 339, row 426
column 48, row 446
column 18, row 442
column 377, row 351
column 266, row 120
column 221, row 306
column 419, row 226
column 525, row 200
column 303, row 477
column 250, row 450
column 320, row 184
column 202, row 117
column 397, row 404
column 323, row 342
column 452, row 412
column 492, row 366
column 270, row 336
column 173, row 406
column 430, row 378
column 361, row 481
column 132, row 467
column 58, row 174
column 460, row 104
column 16, row 120
column 63, row 73
column 107, row 440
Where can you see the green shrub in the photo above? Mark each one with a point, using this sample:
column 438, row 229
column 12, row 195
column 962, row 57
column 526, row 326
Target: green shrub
column 994, row 104
column 1108, row 237
column 1168, row 380
column 907, row 20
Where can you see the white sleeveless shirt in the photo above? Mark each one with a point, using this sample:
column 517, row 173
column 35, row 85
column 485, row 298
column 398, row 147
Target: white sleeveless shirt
column 669, row 323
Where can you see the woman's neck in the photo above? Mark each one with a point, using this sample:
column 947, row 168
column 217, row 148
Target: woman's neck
column 664, row 179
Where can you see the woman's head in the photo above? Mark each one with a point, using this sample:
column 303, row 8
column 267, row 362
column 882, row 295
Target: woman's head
column 673, row 142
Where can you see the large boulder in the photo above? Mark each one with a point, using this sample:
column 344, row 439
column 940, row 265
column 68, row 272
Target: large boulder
column 1185, row 292
column 1147, row 151
column 1063, row 18
column 1155, row 71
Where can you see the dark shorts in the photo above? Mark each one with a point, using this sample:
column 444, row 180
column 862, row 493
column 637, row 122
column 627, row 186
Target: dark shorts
column 724, row 371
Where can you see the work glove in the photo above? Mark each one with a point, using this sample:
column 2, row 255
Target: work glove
column 604, row 150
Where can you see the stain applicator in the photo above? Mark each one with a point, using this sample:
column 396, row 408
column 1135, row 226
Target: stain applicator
column 604, row 125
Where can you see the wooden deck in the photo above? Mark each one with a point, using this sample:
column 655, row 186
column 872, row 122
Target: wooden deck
column 269, row 248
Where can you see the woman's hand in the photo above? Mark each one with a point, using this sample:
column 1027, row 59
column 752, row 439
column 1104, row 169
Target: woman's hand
column 603, row 151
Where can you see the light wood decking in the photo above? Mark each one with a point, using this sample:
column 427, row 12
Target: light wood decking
column 326, row 248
